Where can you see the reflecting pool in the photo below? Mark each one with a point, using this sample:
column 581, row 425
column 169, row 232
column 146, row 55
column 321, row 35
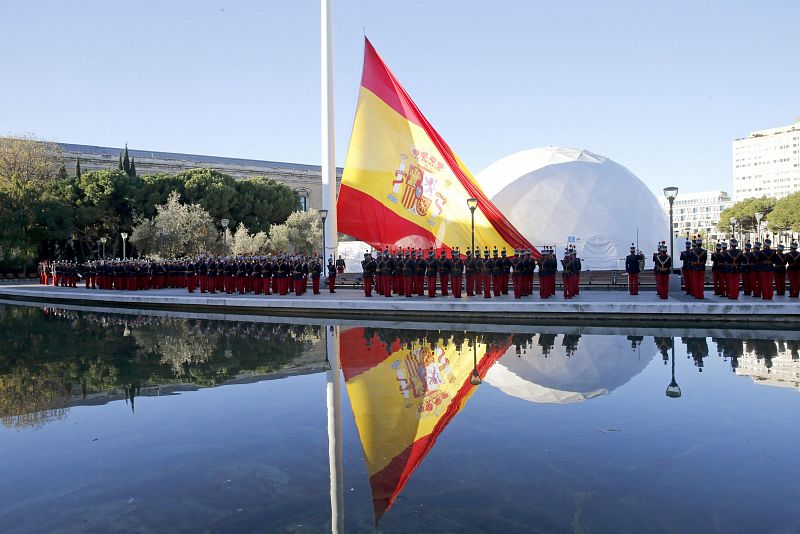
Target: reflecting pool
column 161, row 422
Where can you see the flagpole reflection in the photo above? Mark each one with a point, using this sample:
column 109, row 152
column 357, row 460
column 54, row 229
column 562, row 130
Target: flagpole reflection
column 334, row 405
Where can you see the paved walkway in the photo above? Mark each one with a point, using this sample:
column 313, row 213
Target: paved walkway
column 596, row 306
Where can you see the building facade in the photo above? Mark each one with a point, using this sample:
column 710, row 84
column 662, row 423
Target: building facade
column 767, row 163
column 698, row 213
column 306, row 180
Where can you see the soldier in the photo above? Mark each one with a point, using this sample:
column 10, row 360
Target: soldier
column 734, row 259
column 505, row 263
column 516, row 275
column 724, row 268
column 408, row 268
column 191, row 276
column 766, row 272
column 577, row 267
column 331, row 275
column 457, row 272
column 445, row 268
column 390, row 272
column 697, row 264
column 632, row 268
column 431, row 270
column 755, row 269
column 297, row 275
column 316, row 272
column 662, row 268
column 379, row 265
column 469, row 267
column 793, row 270
column 340, row 265
column 685, row 270
column 716, row 258
column 488, row 271
column 420, row 265
column 746, row 269
column 566, row 274
column 779, row 261
column 497, row 273
column 368, row 267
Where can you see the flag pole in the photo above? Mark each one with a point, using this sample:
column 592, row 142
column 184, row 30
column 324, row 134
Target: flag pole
column 328, row 139
column 334, row 405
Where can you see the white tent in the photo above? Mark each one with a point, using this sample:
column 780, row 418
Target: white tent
column 560, row 196
column 574, row 370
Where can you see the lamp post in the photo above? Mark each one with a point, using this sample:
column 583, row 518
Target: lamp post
column 472, row 203
column 733, row 220
column 161, row 242
column 103, row 241
column 475, row 377
column 759, row 216
column 124, row 239
column 323, row 214
column 224, row 223
column 673, row 389
column 671, row 192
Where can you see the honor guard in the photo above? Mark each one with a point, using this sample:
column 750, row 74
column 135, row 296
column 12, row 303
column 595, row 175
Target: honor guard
column 445, row 268
column 793, row 270
column 687, row 278
column 369, row 267
column 697, row 265
column 766, row 272
column 734, row 259
column 331, row 275
column 632, row 268
column 779, row 261
column 456, row 274
column 431, row 271
column 488, row 270
column 662, row 267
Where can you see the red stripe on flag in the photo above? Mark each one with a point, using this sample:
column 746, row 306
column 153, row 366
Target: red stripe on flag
column 359, row 356
column 378, row 79
column 369, row 220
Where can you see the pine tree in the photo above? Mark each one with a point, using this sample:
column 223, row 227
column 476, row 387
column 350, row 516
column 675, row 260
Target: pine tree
column 78, row 167
column 62, row 172
column 133, row 168
column 126, row 162
column 120, row 161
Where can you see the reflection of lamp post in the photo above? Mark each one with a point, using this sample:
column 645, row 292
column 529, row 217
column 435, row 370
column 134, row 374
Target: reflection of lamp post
column 323, row 214
column 124, row 239
column 472, row 203
column 673, row 389
column 733, row 220
column 475, row 378
column 103, row 241
column 224, row 223
column 671, row 193
column 759, row 216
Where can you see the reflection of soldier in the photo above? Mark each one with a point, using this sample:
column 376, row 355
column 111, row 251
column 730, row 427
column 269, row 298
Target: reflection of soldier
column 547, row 342
column 664, row 345
column 570, row 343
column 697, row 349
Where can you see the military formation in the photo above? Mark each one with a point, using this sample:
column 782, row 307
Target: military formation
column 758, row 270
column 260, row 275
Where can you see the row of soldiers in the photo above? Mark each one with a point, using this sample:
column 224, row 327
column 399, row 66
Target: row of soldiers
column 407, row 273
column 279, row 274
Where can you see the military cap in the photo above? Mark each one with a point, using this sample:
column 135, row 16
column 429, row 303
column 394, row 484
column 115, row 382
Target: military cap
column 767, row 243
column 793, row 246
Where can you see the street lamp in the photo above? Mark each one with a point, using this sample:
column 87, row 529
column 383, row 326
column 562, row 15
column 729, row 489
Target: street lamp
column 671, row 193
column 124, row 238
column 103, row 241
column 759, row 216
column 323, row 214
column 161, row 242
column 472, row 203
column 733, row 220
column 475, row 378
column 225, row 231
column 673, row 389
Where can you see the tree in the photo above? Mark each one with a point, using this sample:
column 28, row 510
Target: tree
column 786, row 214
column 244, row 244
column 213, row 190
column 188, row 230
column 62, row 173
column 126, row 162
column 261, row 202
column 119, row 165
column 301, row 233
column 133, row 168
column 745, row 211
column 78, row 167
column 28, row 160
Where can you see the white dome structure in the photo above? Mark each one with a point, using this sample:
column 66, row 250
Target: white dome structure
column 554, row 195
column 575, row 369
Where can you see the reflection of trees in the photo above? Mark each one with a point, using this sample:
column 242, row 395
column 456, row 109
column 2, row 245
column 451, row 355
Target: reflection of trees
column 31, row 397
column 52, row 355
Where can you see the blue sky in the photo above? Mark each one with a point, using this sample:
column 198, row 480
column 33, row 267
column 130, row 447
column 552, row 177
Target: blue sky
column 660, row 87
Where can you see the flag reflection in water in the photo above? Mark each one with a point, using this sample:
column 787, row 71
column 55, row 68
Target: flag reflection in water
column 404, row 392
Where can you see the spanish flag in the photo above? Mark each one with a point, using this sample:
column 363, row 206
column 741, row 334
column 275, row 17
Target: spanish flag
column 402, row 185
column 403, row 395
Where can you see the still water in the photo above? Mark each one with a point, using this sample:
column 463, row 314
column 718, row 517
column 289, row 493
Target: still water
column 157, row 422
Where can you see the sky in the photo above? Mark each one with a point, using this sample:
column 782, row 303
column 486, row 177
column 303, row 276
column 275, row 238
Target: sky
column 661, row 87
